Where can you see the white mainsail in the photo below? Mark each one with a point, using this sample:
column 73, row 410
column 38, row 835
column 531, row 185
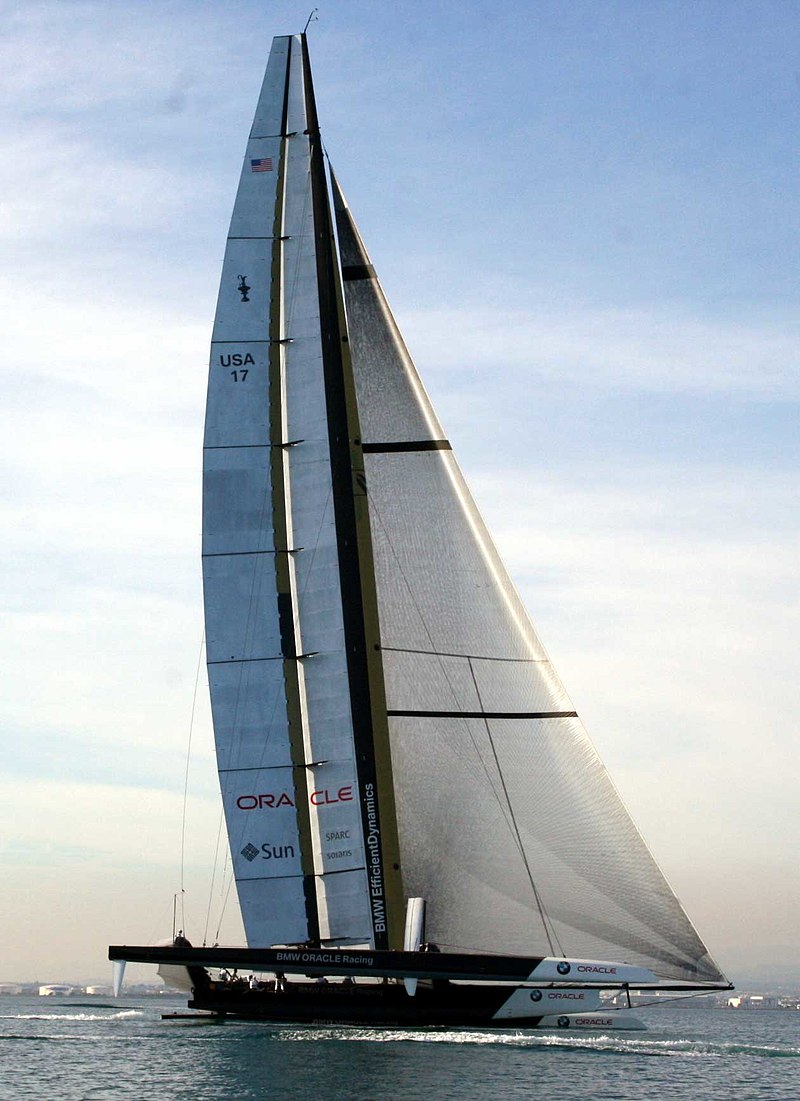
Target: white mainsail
column 375, row 679
column 277, row 647
column 240, row 549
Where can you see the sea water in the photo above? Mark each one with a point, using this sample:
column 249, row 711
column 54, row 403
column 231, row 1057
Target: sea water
column 80, row 1048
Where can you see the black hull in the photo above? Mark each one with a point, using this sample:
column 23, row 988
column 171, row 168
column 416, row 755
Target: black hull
column 368, row 1004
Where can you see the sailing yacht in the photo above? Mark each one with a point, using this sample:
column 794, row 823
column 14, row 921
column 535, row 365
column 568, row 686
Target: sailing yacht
column 420, row 830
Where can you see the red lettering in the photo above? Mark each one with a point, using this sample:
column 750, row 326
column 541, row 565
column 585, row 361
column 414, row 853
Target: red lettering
column 324, row 798
column 267, row 799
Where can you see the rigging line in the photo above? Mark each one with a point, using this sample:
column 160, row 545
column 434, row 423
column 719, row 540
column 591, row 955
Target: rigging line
column 186, row 780
column 679, row 998
column 159, row 924
column 442, row 668
column 225, row 892
column 224, row 907
column 213, row 878
column 471, row 949
column 546, row 923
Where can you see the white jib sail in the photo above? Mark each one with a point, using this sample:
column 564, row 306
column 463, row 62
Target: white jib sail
column 510, row 827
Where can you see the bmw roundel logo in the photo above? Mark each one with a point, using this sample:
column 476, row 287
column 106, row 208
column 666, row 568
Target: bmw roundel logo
column 536, row 995
column 563, row 1022
column 563, row 968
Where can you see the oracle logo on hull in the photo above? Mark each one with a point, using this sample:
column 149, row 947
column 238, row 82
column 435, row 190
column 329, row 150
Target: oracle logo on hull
column 594, row 969
column 320, row 798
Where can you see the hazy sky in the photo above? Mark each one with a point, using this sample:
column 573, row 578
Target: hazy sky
column 585, row 215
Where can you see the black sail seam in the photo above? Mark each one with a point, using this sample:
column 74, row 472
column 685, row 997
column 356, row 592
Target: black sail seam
column 267, row 878
column 242, row 661
column 483, row 714
column 339, row 871
column 406, row 445
column 358, row 271
column 239, row 554
column 256, row 768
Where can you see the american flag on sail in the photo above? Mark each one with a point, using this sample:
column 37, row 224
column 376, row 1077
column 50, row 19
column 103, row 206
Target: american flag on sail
column 263, row 164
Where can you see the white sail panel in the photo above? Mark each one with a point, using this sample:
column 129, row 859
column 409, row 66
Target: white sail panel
column 243, row 304
column 339, row 853
column 262, row 822
column 415, row 682
column 254, row 209
column 537, row 782
column 237, row 501
column 250, row 714
column 274, row 909
column 422, row 519
column 509, row 825
column 231, row 414
column 241, row 607
column 343, row 918
column 269, row 109
column 393, row 405
column 334, row 797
